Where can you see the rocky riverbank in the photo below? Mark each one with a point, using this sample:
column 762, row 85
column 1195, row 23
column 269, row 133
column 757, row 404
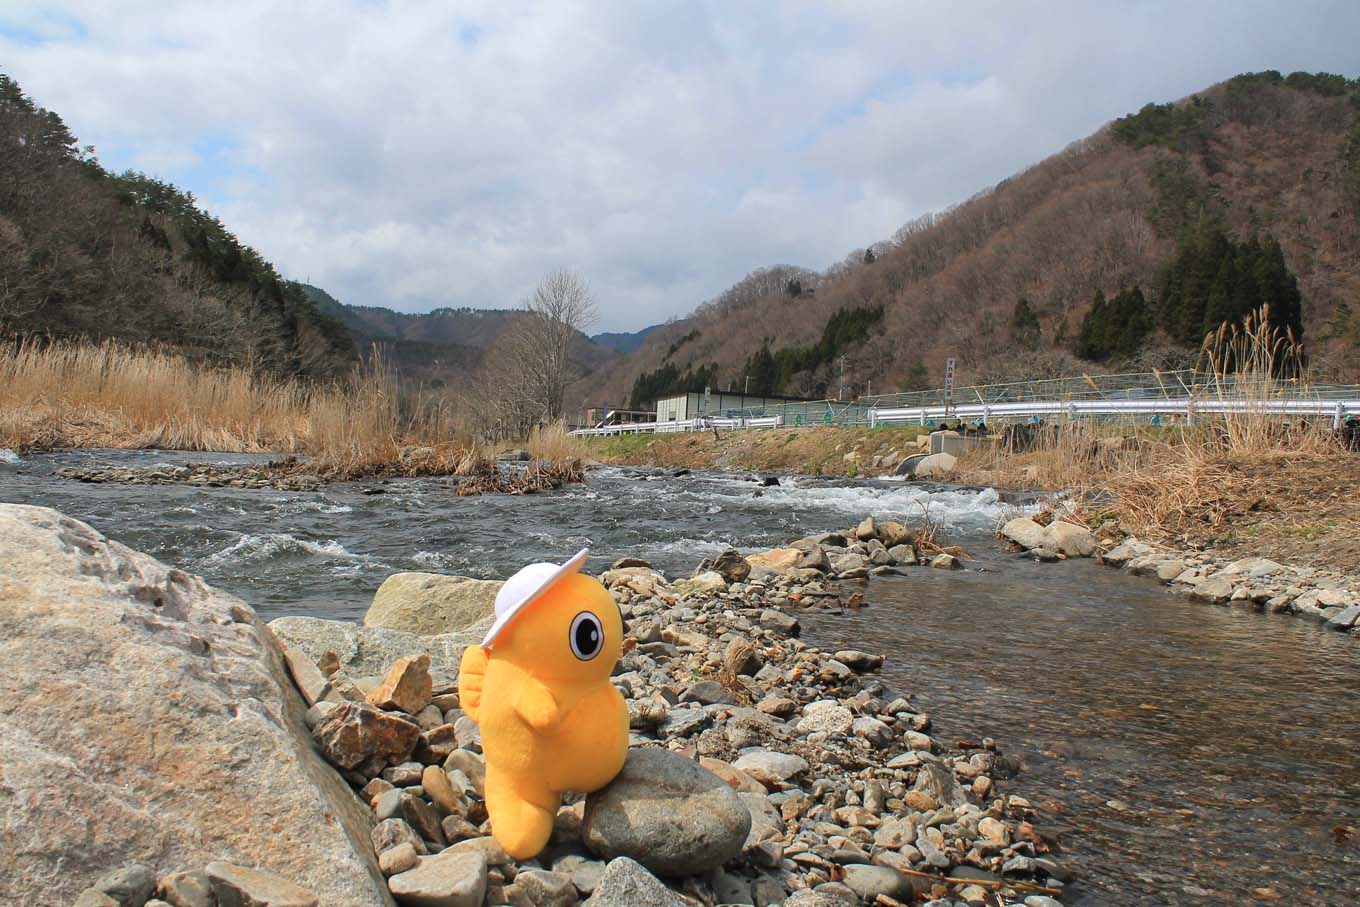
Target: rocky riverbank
column 762, row 771
column 1331, row 597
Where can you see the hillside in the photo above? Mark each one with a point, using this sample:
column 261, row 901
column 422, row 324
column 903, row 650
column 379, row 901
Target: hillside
column 85, row 253
column 442, row 347
column 1259, row 157
column 624, row 341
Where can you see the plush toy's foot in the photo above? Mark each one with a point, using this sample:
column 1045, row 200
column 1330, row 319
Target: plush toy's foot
column 519, row 825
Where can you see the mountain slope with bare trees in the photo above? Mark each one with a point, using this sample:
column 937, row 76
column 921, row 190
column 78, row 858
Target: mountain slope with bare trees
column 1004, row 281
column 90, row 254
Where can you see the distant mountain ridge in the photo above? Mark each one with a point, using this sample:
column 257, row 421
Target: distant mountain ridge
column 624, row 341
column 437, row 347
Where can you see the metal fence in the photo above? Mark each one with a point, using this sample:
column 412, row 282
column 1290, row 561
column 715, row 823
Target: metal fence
column 1142, row 395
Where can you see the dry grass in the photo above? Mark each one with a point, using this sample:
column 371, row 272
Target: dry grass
column 555, row 444
column 1184, row 481
column 82, row 395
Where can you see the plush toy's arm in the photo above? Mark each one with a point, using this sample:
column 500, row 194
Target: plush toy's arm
column 536, row 705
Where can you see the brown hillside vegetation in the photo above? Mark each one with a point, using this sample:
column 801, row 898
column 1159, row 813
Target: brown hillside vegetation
column 1260, row 154
column 85, row 253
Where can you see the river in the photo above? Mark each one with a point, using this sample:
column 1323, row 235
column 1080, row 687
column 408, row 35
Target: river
column 1188, row 754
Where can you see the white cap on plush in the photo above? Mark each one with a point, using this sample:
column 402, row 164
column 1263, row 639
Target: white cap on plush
column 526, row 587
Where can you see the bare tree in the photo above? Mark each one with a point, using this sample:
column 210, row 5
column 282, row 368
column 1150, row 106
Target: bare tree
column 531, row 363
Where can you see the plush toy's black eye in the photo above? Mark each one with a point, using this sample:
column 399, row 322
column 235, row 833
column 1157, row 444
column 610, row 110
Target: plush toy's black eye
column 587, row 636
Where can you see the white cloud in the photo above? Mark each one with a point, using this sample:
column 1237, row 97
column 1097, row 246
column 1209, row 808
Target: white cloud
column 422, row 154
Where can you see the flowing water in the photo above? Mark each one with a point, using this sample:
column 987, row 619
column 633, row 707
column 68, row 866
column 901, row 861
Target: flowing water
column 1184, row 754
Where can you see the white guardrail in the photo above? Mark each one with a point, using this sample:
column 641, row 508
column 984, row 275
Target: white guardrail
column 1187, row 407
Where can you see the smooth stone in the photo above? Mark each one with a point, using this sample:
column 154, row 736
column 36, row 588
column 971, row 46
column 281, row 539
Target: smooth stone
column 779, row 622
column 668, row 813
column 585, row 873
column 429, row 604
column 241, row 886
column 869, row 881
column 448, row 879
column 398, row 859
column 1070, row 539
column 860, row 662
column 771, row 767
column 129, row 886
column 1025, row 533
column 547, row 889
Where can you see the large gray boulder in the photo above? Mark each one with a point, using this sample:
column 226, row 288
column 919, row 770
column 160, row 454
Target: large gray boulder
column 145, row 716
column 372, row 650
column 668, row 813
column 429, row 604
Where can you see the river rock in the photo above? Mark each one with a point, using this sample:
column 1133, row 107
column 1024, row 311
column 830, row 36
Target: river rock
column 860, row 662
column 825, row 716
column 625, row 883
column 149, row 717
column 770, row 767
column 934, row 465
column 777, row 559
column 941, row 784
column 870, row 881
column 1025, row 533
column 705, row 583
column 866, row 529
column 372, row 650
column 1215, row 589
column 779, row 622
column 668, row 813
column 1069, row 539
column 766, row 822
column 449, row 879
column 1345, row 618
column 891, row 533
column 407, row 686
column 353, row 732
column 731, row 566
column 240, row 886
column 129, row 886
column 428, row 604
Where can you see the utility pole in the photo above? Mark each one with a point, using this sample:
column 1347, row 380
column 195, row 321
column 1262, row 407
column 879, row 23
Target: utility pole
column 747, row 392
column 840, row 395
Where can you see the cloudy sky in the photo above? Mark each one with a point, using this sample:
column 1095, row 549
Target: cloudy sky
column 424, row 154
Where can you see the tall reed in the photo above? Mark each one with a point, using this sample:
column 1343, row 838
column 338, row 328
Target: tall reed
column 111, row 395
column 1166, row 479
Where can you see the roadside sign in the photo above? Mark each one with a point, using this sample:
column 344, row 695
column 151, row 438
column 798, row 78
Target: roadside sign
column 948, row 379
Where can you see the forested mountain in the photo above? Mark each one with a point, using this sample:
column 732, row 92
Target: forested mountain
column 92, row 254
column 439, row 347
column 1118, row 253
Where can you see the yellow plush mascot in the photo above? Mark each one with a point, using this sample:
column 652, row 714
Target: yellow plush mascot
column 539, row 687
